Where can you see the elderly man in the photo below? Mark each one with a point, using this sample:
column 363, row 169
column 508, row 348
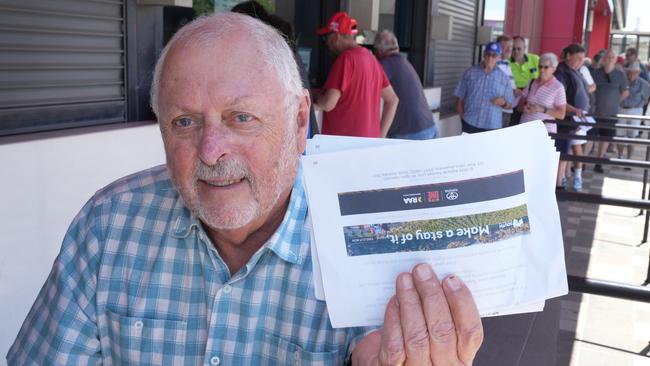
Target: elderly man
column 503, row 64
column 633, row 105
column 611, row 90
column 355, row 85
column 413, row 119
column 483, row 92
column 524, row 65
column 206, row 260
column 631, row 57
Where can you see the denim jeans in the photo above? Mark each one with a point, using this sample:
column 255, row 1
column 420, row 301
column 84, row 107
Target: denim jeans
column 426, row 134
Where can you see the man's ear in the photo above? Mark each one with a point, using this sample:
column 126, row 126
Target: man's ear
column 302, row 121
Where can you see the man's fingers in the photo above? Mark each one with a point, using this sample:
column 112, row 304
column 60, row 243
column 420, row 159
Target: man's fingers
column 465, row 315
column 366, row 353
column 391, row 351
column 414, row 325
column 440, row 324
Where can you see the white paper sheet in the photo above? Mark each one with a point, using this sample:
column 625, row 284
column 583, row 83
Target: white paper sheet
column 320, row 144
column 510, row 275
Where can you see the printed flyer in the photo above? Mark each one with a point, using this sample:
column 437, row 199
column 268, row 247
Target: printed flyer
column 487, row 214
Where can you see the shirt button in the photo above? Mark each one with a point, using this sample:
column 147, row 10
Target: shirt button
column 215, row 360
column 296, row 357
column 138, row 324
column 226, row 289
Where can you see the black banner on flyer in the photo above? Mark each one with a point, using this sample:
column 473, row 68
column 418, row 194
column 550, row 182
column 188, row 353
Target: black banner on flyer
column 432, row 195
column 436, row 234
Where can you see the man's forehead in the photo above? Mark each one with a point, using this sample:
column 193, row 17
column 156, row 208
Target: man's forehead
column 221, row 60
column 220, row 46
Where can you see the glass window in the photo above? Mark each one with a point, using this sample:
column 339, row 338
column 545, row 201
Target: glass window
column 494, row 15
column 630, row 41
column 372, row 17
column 644, row 47
column 617, row 43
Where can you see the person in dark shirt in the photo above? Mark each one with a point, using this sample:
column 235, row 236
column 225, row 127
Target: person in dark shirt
column 611, row 90
column 577, row 98
column 413, row 119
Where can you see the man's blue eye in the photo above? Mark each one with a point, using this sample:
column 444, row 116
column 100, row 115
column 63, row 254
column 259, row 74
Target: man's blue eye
column 183, row 122
column 243, row 118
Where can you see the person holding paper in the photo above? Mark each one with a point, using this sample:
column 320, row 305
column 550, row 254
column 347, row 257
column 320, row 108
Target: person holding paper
column 577, row 97
column 483, row 92
column 207, row 260
column 544, row 99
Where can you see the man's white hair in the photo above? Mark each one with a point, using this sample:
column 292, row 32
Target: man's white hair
column 206, row 30
column 385, row 41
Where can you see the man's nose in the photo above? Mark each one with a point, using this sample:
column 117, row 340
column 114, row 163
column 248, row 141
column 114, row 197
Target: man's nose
column 214, row 143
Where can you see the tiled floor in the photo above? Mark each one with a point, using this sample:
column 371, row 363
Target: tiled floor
column 604, row 242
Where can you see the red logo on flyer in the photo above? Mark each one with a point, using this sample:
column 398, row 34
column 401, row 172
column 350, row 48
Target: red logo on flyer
column 433, row 196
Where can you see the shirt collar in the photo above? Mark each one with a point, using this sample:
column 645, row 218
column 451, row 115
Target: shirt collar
column 185, row 221
column 286, row 241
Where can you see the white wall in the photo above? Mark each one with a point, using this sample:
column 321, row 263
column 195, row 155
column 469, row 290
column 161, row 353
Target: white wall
column 43, row 185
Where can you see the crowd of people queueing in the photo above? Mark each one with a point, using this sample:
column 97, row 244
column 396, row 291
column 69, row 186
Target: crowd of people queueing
column 511, row 86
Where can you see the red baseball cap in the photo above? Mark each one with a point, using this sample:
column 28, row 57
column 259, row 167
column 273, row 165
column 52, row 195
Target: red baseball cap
column 340, row 23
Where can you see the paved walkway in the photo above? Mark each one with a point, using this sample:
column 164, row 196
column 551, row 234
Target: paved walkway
column 604, row 242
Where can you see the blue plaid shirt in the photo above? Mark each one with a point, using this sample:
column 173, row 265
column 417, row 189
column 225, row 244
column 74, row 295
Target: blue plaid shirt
column 477, row 90
column 138, row 282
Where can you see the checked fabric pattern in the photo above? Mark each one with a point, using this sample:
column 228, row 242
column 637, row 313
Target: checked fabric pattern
column 138, row 282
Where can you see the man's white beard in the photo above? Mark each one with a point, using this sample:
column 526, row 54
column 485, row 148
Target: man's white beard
column 241, row 214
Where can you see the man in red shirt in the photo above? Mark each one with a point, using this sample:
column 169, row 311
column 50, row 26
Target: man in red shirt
column 356, row 83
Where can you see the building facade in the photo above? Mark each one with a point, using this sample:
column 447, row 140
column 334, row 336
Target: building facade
column 73, row 63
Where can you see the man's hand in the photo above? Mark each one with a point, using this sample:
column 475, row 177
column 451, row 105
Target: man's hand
column 426, row 323
column 499, row 102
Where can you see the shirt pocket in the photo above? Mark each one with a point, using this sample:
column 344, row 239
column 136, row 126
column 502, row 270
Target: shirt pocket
column 143, row 341
column 277, row 351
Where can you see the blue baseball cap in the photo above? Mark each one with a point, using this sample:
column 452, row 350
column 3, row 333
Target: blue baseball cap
column 493, row 47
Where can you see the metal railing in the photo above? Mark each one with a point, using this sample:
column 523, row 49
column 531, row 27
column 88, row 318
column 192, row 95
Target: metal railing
column 601, row 287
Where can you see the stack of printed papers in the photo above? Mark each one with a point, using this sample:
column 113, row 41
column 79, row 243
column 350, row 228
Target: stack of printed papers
column 478, row 206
